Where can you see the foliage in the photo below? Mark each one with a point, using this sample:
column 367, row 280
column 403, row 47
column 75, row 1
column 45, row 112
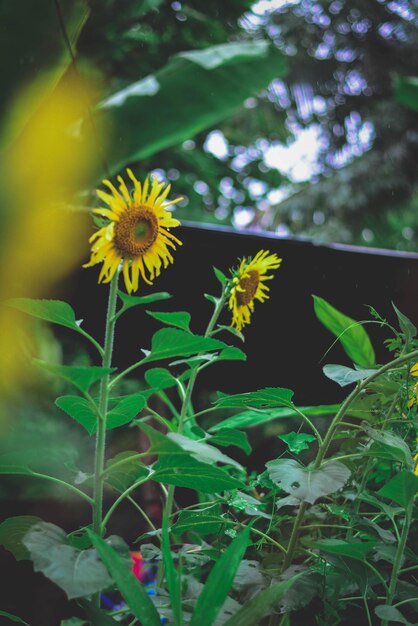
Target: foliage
column 330, row 523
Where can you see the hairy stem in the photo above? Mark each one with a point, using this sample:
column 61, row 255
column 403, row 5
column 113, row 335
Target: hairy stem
column 103, row 405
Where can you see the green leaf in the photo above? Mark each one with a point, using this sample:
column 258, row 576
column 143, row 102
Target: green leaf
column 392, row 446
column 219, row 582
column 261, row 604
column 172, row 576
column 296, row 442
column 80, row 410
column 160, row 378
column 124, row 469
column 391, row 614
column 125, row 410
column 180, row 319
column 231, row 353
column 202, row 451
column 13, row 618
column 350, row 333
column 130, row 301
column 268, row 397
column 81, row 377
column 232, row 437
column 12, row 531
column 354, row 549
column 194, row 91
column 402, row 488
column 200, row 522
column 346, row 375
column 48, row 310
column 252, row 418
column 305, row 484
column 406, row 326
column 220, row 276
column 132, row 591
column 78, row 572
column 185, row 471
column 406, row 91
column 171, row 342
column 232, row 330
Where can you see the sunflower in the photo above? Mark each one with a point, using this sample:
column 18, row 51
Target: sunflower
column 137, row 233
column 248, row 285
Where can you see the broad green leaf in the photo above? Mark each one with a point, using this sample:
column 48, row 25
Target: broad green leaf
column 194, row 91
column 252, row 418
column 296, row 442
column 172, row 342
column 402, row 488
column 125, row 410
column 231, row 353
column 200, row 522
column 13, row 618
column 346, row 375
column 353, row 549
column 124, row 469
column 351, row 334
column 219, row 582
column 81, row 377
column 393, row 446
column 202, row 451
column 159, row 378
column 78, row 572
column 161, row 445
column 172, row 576
column 406, row 91
column 406, row 326
column 305, row 484
column 391, row 614
column 231, row 437
column 261, row 604
column 80, row 410
column 185, row 471
column 263, row 398
column 48, row 310
column 132, row 591
column 12, row 531
column 180, row 319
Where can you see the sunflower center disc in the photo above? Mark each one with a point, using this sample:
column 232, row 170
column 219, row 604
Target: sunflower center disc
column 135, row 232
column 249, row 284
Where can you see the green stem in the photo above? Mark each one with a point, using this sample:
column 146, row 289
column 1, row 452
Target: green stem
column 58, row 481
column 323, row 448
column 128, row 370
column 103, row 404
column 92, row 340
column 398, row 557
column 118, row 500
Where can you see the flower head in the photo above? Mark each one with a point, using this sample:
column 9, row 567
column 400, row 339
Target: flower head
column 248, row 285
column 137, row 233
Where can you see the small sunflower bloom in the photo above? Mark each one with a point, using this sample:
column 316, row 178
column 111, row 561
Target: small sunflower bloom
column 248, row 286
column 137, row 234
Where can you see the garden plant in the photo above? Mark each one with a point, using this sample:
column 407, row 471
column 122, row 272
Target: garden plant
column 324, row 535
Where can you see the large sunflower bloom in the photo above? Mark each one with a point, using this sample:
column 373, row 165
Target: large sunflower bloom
column 248, row 286
column 137, row 232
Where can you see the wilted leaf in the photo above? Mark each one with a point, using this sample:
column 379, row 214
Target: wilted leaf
column 346, row 375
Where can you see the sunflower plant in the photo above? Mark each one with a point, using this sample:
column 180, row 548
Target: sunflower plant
column 324, row 533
